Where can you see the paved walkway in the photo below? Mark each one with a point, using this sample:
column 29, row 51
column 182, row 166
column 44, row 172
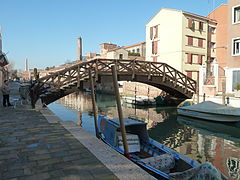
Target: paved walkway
column 35, row 144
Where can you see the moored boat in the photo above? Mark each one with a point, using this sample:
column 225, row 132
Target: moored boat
column 211, row 111
column 139, row 100
column 157, row 159
column 229, row 131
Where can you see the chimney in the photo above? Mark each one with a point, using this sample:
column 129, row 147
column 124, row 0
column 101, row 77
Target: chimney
column 79, row 49
column 26, row 65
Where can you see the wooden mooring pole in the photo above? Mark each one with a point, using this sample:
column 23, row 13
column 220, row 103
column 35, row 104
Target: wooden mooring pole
column 223, row 92
column 120, row 113
column 93, row 102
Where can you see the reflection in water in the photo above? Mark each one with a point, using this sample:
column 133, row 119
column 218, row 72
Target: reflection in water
column 79, row 122
column 201, row 141
column 233, row 165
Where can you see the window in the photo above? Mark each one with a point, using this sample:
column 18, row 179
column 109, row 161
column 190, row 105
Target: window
column 236, row 14
column 120, row 56
column 154, row 32
column 200, row 59
column 189, row 58
column 190, row 40
column 154, row 47
column 133, row 50
column 138, row 50
column 236, row 79
column 211, row 44
column 189, row 74
column 212, row 29
column 236, row 47
column 200, row 26
column 154, row 59
column 200, row 42
column 191, row 24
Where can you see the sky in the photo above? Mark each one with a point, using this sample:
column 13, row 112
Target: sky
column 46, row 31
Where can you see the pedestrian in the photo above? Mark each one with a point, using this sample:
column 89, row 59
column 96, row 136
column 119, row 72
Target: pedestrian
column 5, row 92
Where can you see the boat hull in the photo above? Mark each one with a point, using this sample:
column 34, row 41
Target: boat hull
column 208, row 116
column 141, row 147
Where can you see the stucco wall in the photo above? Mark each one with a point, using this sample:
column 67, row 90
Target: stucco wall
column 169, row 37
column 115, row 54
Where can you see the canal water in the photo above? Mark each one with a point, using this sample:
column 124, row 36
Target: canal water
column 200, row 140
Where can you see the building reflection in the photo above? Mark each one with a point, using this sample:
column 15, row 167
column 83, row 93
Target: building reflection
column 79, row 122
column 163, row 126
column 233, row 165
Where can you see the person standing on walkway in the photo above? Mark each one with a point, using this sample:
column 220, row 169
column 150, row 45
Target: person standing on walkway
column 5, row 92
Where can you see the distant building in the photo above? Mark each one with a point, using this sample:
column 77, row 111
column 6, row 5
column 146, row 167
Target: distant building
column 105, row 47
column 139, row 48
column 117, row 53
column 29, row 75
column 181, row 39
column 91, row 55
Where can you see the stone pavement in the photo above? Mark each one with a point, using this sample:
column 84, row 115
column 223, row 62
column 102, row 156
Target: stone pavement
column 35, row 144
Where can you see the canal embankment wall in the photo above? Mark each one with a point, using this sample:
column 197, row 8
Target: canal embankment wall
column 122, row 167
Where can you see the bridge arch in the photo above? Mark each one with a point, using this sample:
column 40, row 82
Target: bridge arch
column 160, row 75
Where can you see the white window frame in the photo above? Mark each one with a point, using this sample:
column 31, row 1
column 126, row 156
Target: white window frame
column 233, row 50
column 233, row 14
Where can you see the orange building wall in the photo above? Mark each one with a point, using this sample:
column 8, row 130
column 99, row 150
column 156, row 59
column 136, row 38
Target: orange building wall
column 233, row 32
column 221, row 15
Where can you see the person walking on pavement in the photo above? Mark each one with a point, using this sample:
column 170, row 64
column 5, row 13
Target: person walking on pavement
column 5, row 92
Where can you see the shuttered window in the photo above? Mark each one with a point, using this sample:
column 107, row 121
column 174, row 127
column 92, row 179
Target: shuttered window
column 200, row 59
column 200, row 26
column 151, row 32
column 190, row 40
column 190, row 23
column 189, row 74
column 200, row 42
column 156, row 31
column 189, row 58
column 154, row 59
column 155, row 47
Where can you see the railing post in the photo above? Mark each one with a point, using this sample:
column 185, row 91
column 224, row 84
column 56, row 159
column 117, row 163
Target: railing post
column 149, row 71
column 186, row 79
column 96, row 70
column 175, row 77
column 133, row 69
column 197, row 90
column 59, row 80
column 164, row 73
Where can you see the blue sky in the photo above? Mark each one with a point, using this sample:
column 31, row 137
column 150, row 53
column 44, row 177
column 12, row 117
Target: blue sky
column 46, row 31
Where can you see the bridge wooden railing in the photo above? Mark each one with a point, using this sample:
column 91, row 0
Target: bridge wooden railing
column 74, row 74
column 78, row 72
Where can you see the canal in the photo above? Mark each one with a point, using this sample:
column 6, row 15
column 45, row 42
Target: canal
column 200, row 140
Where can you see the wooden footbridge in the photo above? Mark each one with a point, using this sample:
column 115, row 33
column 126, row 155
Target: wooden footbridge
column 161, row 75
